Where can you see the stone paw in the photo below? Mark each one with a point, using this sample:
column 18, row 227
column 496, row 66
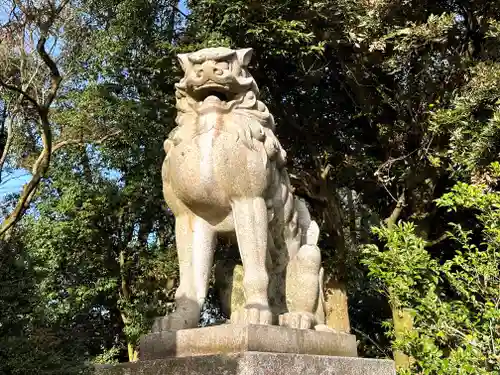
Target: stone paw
column 298, row 320
column 252, row 315
column 324, row 328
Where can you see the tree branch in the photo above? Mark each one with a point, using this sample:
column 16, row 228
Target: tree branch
column 55, row 79
column 391, row 220
column 8, row 143
column 176, row 8
column 26, row 196
column 301, row 189
column 20, row 91
column 441, row 238
column 325, row 172
column 81, row 142
column 42, row 163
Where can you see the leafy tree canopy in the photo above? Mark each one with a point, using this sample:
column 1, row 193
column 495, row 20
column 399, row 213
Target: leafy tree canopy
column 390, row 114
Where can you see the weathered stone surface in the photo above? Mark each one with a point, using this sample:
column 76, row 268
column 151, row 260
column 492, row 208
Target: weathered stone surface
column 229, row 338
column 224, row 173
column 254, row 363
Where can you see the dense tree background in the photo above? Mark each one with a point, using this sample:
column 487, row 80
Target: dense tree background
column 390, row 114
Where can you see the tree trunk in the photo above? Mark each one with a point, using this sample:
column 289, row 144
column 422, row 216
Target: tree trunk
column 337, row 315
column 402, row 318
column 133, row 353
column 403, row 323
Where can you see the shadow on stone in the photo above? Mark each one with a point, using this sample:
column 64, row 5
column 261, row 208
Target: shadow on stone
column 234, row 338
column 217, row 364
column 185, row 316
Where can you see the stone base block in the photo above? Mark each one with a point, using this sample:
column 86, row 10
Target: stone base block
column 254, row 363
column 231, row 338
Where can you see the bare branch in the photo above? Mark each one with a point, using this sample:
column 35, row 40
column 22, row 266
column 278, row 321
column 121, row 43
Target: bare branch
column 8, row 143
column 441, row 238
column 302, row 189
column 325, row 172
column 54, row 72
column 26, row 195
column 39, row 169
column 41, row 166
column 14, row 178
column 391, row 220
column 176, row 8
column 372, row 341
column 81, row 142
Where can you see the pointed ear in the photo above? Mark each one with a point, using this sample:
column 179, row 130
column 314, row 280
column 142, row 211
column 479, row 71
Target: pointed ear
column 244, row 56
column 183, row 61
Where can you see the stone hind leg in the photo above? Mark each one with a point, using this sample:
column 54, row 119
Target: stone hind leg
column 195, row 240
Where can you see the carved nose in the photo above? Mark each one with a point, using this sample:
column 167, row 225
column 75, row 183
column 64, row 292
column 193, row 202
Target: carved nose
column 209, row 71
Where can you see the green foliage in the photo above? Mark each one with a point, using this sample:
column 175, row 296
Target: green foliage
column 264, row 25
column 472, row 121
column 455, row 301
column 100, row 244
column 406, row 267
column 30, row 343
column 108, row 356
column 383, row 107
column 98, row 269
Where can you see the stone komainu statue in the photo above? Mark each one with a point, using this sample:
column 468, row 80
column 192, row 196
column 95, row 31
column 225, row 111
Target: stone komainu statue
column 224, row 174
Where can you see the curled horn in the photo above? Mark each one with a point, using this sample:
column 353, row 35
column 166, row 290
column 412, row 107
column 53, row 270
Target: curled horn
column 184, row 61
column 244, row 56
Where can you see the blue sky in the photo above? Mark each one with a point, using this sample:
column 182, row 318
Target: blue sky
column 3, row 12
column 183, row 6
column 13, row 182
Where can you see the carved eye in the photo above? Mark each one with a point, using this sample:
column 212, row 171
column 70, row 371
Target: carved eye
column 223, row 65
column 198, row 70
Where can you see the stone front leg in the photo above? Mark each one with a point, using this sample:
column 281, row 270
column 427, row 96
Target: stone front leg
column 195, row 240
column 250, row 219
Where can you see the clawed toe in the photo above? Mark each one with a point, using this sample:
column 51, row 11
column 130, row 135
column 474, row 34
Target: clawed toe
column 251, row 315
column 297, row 320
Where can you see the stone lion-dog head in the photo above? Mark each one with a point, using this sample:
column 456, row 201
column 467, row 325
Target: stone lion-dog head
column 217, row 79
column 221, row 72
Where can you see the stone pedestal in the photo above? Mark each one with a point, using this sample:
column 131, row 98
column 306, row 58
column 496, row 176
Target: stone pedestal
column 231, row 338
column 249, row 350
column 254, row 363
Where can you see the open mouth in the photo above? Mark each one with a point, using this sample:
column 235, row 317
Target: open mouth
column 214, row 90
column 222, row 96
